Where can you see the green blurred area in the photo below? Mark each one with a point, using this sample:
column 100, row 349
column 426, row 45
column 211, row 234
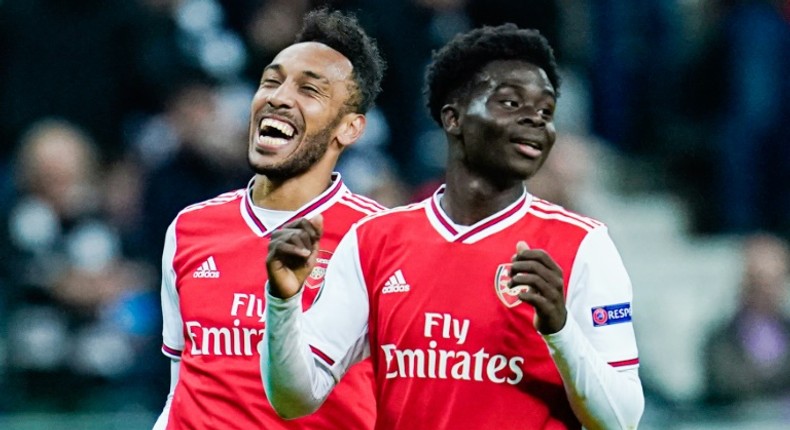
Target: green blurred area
column 119, row 421
column 754, row 416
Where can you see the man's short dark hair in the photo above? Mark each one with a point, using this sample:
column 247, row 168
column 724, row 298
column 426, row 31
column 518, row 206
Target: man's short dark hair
column 456, row 64
column 342, row 32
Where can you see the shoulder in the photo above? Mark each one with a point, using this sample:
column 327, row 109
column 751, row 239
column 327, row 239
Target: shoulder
column 211, row 209
column 560, row 218
column 386, row 228
column 565, row 233
column 395, row 216
column 348, row 208
column 221, row 199
column 358, row 203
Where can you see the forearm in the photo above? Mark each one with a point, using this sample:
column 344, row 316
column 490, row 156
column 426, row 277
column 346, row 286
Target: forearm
column 601, row 396
column 295, row 384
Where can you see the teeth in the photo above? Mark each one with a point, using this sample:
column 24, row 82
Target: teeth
column 272, row 141
column 283, row 127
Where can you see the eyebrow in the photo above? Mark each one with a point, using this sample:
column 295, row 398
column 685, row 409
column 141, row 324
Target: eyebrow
column 275, row 67
column 309, row 73
column 546, row 91
column 316, row 76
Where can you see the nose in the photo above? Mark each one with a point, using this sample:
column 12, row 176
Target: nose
column 281, row 97
column 531, row 116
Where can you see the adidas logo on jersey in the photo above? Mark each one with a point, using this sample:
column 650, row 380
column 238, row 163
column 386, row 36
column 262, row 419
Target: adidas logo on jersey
column 207, row 270
column 395, row 284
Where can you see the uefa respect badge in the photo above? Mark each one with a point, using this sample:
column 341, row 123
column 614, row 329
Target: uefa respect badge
column 611, row 314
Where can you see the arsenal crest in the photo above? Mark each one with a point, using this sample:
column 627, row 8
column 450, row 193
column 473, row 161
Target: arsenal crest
column 316, row 277
column 508, row 296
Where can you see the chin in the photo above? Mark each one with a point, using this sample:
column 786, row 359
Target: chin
column 257, row 165
column 527, row 170
column 527, row 175
column 535, row 167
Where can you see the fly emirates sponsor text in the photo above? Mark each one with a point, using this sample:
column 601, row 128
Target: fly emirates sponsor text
column 456, row 363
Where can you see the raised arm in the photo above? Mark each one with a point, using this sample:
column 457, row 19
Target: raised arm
column 292, row 254
column 303, row 355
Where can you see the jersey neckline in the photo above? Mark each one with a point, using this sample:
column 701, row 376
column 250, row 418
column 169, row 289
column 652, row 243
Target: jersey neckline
column 320, row 203
column 494, row 223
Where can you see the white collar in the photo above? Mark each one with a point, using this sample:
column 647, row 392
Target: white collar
column 314, row 207
column 494, row 223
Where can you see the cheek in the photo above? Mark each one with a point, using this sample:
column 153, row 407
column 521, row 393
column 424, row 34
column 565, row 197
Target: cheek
column 483, row 127
column 258, row 100
column 494, row 132
column 551, row 131
column 317, row 118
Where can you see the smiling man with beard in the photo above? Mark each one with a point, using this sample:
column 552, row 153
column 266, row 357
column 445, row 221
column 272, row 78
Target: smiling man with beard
column 482, row 307
column 310, row 105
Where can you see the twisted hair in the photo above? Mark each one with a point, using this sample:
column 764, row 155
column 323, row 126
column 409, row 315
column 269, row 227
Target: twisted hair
column 453, row 68
column 343, row 33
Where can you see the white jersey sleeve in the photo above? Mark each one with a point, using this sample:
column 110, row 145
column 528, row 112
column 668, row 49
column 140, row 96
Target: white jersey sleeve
column 304, row 355
column 172, row 325
column 599, row 298
column 172, row 332
column 595, row 351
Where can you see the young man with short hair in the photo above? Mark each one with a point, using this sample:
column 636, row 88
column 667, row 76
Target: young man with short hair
column 482, row 307
column 310, row 105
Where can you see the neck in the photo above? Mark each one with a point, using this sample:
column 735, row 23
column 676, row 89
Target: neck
column 289, row 194
column 469, row 197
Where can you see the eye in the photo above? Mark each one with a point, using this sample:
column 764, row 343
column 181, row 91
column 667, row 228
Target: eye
column 270, row 83
column 509, row 103
column 546, row 112
column 309, row 88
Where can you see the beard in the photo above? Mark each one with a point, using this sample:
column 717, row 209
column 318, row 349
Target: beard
column 307, row 154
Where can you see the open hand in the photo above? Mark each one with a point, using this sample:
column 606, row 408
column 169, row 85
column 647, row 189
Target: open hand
column 539, row 278
column 292, row 255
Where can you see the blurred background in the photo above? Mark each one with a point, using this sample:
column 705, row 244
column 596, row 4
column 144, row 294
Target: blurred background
column 674, row 129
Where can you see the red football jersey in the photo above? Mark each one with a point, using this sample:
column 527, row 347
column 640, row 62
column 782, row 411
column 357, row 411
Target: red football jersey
column 213, row 305
column 452, row 346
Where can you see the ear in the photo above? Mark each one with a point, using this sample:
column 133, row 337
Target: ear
column 451, row 119
column 351, row 128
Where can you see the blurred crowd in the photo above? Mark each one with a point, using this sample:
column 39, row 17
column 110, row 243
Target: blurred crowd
column 748, row 357
column 115, row 114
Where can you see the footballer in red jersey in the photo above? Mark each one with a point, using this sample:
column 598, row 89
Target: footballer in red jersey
column 310, row 105
column 482, row 306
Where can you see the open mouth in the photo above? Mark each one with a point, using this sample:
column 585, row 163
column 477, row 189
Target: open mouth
column 275, row 132
column 529, row 148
